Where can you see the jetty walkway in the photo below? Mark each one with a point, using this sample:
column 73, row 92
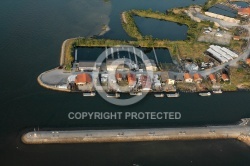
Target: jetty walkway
column 240, row 132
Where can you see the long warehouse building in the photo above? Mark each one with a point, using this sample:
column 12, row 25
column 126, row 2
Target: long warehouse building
column 217, row 56
column 231, row 53
column 218, row 50
column 221, row 54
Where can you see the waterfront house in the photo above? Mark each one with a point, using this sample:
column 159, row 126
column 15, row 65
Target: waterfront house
column 197, row 78
column 118, row 64
column 188, row 78
column 146, row 82
column 166, row 78
column 104, row 78
column 244, row 11
column 248, row 61
column 131, row 80
column 83, row 79
column 83, row 82
column 150, row 65
column 212, row 78
column 118, row 76
column 87, row 65
column 224, row 77
column 170, row 81
column 157, row 82
column 237, row 38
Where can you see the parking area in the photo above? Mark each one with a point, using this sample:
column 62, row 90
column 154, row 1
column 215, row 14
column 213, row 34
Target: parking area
column 216, row 37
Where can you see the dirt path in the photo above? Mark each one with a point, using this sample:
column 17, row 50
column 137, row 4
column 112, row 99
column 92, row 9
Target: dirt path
column 124, row 18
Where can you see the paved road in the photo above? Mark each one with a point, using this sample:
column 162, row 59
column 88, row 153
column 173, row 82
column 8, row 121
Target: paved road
column 55, row 77
column 227, row 25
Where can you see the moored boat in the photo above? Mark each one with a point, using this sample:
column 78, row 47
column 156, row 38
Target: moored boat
column 91, row 94
column 173, row 95
column 135, row 93
column 116, row 95
column 205, row 94
column 159, row 95
column 217, row 91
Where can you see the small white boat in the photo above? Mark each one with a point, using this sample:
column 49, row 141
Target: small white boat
column 173, row 95
column 116, row 95
column 91, row 94
column 159, row 95
column 217, row 91
column 205, row 94
column 135, row 93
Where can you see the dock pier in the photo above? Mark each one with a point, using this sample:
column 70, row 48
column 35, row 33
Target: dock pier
column 157, row 62
column 136, row 61
column 240, row 132
column 76, row 55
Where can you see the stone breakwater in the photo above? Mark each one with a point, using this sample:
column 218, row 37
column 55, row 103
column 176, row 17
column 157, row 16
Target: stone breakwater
column 240, row 132
column 63, row 50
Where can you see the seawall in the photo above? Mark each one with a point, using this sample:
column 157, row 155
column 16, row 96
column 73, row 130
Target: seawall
column 240, row 132
column 63, row 53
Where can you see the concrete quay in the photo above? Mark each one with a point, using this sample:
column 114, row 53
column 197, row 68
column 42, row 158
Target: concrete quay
column 50, row 79
column 240, row 132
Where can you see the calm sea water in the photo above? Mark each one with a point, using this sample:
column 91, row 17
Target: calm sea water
column 161, row 29
column 223, row 12
column 91, row 54
column 31, row 36
column 242, row 4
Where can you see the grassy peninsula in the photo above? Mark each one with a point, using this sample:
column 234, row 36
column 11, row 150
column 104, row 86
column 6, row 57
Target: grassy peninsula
column 178, row 49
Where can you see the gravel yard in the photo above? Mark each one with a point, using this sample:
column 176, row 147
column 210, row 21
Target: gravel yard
column 212, row 37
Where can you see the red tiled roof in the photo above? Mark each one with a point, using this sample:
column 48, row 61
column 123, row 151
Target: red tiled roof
column 118, row 75
column 197, row 76
column 83, row 78
column 248, row 61
column 225, row 77
column 244, row 11
column 212, row 77
column 236, row 37
column 187, row 76
column 146, row 82
column 131, row 79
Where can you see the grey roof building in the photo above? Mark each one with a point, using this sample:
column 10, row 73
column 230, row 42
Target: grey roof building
column 87, row 65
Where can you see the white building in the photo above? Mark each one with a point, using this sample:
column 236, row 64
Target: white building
column 221, row 54
column 118, row 64
column 231, row 53
column 170, row 81
column 71, row 78
column 150, row 65
column 217, row 56
column 88, row 65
